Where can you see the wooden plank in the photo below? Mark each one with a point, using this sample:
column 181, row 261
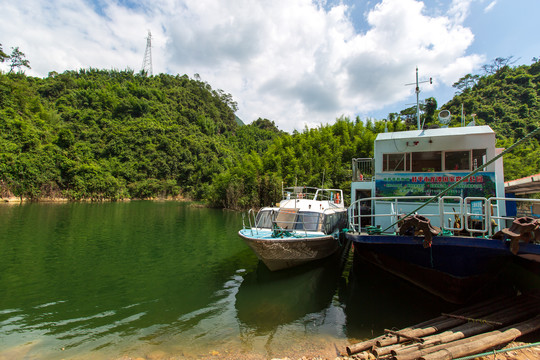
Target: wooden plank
column 480, row 343
column 441, row 323
column 400, row 334
column 479, row 310
column 507, row 317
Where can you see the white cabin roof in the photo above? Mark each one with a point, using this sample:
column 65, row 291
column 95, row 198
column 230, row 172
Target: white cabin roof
column 456, row 131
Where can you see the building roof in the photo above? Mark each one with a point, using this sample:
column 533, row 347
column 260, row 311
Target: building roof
column 454, row 131
column 526, row 185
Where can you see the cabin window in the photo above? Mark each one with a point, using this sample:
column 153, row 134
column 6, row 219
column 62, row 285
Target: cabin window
column 427, row 161
column 457, row 160
column 335, row 221
column 479, row 157
column 435, row 161
column 396, row 162
column 308, row 221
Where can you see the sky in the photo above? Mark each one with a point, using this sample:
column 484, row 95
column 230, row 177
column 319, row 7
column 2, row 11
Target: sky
column 299, row 63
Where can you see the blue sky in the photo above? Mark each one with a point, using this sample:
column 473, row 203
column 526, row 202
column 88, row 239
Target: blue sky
column 501, row 28
column 296, row 62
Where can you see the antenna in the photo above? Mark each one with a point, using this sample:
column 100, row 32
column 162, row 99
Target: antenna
column 147, row 61
column 417, row 93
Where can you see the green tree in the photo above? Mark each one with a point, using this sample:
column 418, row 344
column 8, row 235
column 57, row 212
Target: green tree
column 17, row 60
column 3, row 55
column 465, row 83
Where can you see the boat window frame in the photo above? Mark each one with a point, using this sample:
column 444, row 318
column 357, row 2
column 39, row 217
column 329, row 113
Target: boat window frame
column 264, row 215
column 423, row 162
column 406, row 161
column 476, row 158
column 480, row 154
column 299, row 221
column 457, row 162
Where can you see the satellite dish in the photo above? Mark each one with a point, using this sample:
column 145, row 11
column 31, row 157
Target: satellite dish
column 444, row 117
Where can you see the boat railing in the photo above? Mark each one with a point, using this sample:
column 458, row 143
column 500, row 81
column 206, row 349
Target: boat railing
column 359, row 209
column 312, row 193
column 362, row 169
column 522, row 209
column 299, row 192
column 476, row 215
column 452, row 202
column 251, row 214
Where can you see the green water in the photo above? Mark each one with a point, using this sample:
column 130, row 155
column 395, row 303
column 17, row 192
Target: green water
column 105, row 281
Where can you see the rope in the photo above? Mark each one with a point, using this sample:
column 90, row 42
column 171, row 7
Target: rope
column 498, row 351
column 511, row 148
column 481, row 321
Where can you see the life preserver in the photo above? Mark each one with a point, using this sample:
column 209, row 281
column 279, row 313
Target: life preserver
column 337, row 198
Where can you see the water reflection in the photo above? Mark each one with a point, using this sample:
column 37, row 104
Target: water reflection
column 376, row 300
column 266, row 299
column 104, row 280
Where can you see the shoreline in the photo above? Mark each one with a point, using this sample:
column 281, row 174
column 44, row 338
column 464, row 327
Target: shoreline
column 17, row 200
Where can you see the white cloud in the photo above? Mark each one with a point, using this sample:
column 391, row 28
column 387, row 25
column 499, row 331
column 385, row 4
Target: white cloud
column 490, row 6
column 292, row 61
column 459, row 10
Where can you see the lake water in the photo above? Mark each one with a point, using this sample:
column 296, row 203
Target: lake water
column 160, row 280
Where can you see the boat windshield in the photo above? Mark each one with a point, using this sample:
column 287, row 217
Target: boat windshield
column 290, row 219
column 264, row 219
column 309, row 221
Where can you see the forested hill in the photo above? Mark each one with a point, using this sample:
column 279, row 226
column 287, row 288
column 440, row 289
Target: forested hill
column 507, row 99
column 105, row 134
column 96, row 134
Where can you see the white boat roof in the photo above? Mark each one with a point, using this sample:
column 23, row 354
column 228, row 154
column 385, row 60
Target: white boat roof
column 445, row 132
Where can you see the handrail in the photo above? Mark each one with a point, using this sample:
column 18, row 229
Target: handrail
column 254, row 221
column 493, row 201
column 310, row 193
column 484, row 216
column 478, row 220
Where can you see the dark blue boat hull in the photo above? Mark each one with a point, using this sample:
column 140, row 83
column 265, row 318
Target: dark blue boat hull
column 453, row 268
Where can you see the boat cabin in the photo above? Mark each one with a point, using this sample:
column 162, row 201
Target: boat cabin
column 305, row 209
column 419, row 164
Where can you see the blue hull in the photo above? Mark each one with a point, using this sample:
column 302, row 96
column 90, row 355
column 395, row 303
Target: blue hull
column 454, row 268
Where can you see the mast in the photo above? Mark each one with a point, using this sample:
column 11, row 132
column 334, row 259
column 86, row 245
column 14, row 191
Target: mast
column 417, row 91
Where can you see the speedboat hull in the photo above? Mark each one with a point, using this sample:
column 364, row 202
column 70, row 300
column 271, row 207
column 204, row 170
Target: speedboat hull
column 286, row 252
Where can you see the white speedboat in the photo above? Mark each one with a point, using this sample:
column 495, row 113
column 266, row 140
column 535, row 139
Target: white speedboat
column 305, row 226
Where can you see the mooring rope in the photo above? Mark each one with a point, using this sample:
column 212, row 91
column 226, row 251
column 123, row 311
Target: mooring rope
column 498, row 351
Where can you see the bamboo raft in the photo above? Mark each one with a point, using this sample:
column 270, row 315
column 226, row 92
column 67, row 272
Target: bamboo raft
column 465, row 332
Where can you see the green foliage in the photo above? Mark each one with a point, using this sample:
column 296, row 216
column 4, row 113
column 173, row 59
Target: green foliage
column 314, row 157
column 98, row 134
column 17, row 59
column 506, row 99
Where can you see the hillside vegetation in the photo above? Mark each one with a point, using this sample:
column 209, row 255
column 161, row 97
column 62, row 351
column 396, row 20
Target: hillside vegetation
column 106, row 134
column 506, row 99
column 98, row 134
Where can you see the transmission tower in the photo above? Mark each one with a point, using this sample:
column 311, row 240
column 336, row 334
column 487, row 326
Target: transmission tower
column 147, row 61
